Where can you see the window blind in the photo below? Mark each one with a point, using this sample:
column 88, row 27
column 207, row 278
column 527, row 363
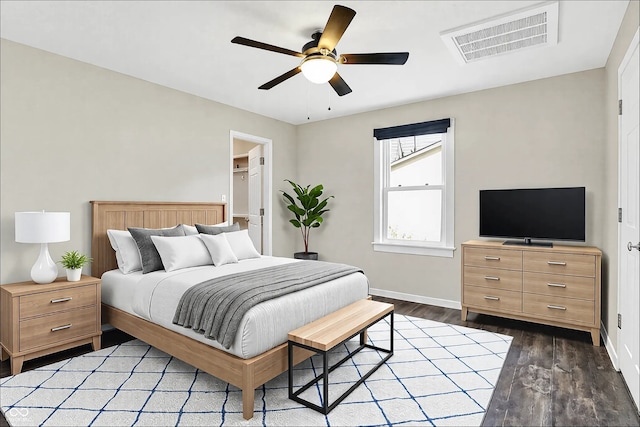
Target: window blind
column 413, row 129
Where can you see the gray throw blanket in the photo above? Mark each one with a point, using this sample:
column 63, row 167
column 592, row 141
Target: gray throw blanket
column 215, row 307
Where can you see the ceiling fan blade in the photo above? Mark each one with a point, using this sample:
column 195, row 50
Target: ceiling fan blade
column 339, row 85
column 390, row 58
column 338, row 22
column 280, row 79
column 265, row 46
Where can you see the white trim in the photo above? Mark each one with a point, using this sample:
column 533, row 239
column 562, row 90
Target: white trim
column 613, row 355
column 414, row 249
column 416, row 298
column 267, row 185
column 449, row 167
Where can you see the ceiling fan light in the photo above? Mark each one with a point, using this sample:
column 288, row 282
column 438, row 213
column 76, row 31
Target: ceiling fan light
column 318, row 69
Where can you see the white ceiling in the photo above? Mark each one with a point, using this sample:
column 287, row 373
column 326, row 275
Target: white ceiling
column 186, row 45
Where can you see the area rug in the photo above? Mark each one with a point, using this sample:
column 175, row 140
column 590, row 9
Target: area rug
column 439, row 374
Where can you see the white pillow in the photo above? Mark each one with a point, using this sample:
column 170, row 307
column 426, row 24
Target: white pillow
column 219, row 249
column 191, row 230
column 127, row 254
column 179, row 252
column 241, row 244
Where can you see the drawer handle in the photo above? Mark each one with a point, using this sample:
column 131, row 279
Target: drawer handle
column 492, row 258
column 557, row 285
column 557, row 307
column 556, row 263
column 59, row 328
column 53, row 301
column 491, row 278
column 492, row 298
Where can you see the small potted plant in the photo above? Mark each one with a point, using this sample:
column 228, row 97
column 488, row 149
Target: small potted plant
column 73, row 262
column 307, row 209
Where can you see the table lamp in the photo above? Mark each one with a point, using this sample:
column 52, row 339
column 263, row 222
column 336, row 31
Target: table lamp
column 44, row 228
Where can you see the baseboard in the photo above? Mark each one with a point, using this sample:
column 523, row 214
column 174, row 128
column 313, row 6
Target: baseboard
column 416, row 298
column 608, row 345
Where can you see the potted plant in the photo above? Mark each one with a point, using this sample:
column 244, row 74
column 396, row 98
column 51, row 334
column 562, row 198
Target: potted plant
column 307, row 209
column 73, row 262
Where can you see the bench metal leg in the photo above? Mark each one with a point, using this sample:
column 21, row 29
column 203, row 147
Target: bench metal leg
column 326, row 369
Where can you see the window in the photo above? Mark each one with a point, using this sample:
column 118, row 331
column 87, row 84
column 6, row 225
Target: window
column 414, row 188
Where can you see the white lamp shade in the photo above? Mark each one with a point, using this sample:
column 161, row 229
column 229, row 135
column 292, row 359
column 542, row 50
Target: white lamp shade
column 318, row 69
column 43, row 227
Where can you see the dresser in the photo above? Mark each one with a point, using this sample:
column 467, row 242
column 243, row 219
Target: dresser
column 39, row 319
column 558, row 286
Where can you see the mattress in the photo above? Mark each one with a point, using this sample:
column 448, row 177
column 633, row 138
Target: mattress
column 155, row 296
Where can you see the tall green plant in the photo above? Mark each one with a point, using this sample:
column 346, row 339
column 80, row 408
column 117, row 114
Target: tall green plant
column 307, row 208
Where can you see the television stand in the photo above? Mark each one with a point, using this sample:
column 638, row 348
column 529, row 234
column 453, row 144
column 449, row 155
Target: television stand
column 528, row 242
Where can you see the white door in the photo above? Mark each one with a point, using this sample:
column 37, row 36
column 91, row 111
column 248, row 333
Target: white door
column 255, row 197
column 629, row 227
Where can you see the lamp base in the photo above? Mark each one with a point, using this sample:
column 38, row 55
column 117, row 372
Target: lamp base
column 44, row 270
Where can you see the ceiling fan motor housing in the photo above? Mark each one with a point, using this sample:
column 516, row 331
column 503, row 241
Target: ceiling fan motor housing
column 311, row 47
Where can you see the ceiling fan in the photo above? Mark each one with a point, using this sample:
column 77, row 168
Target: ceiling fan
column 319, row 57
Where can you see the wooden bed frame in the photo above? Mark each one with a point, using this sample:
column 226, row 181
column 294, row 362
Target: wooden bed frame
column 246, row 374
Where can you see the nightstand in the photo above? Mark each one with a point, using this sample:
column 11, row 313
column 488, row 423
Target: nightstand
column 40, row 319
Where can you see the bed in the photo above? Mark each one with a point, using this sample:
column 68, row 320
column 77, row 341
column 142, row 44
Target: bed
column 256, row 355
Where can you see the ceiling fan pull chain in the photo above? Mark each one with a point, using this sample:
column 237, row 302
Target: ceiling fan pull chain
column 308, row 116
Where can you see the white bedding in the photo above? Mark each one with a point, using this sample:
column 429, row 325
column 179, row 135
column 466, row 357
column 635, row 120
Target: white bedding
column 154, row 296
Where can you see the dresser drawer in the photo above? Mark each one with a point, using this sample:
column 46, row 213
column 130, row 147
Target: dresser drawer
column 558, row 308
column 58, row 300
column 559, row 285
column 560, row 263
column 493, row 278
column 45, row 330
column 493, row 299
column 493, row 258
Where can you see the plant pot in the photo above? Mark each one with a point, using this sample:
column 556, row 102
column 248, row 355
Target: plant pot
column 73, row 274
column 306, row 255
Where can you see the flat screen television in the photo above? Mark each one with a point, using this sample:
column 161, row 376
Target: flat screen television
column 533, row 213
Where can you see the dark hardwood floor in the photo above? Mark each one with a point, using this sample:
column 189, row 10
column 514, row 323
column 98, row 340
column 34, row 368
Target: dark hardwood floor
column 551, row 376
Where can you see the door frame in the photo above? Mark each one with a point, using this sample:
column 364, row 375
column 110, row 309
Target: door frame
column 627, row 57
column 267, row 184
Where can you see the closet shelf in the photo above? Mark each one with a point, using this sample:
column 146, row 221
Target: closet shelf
column 240, row 170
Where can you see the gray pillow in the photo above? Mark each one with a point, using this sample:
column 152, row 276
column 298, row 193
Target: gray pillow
column 217, row 229
column 149, row 255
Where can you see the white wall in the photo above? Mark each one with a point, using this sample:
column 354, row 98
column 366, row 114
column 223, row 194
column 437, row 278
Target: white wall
column 547, row 132
column 72, row 132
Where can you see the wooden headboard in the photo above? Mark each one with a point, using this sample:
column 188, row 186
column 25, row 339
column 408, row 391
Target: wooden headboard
column 120, row 215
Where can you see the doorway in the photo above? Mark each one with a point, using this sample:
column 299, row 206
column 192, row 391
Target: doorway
column 250, row 187
column 629, row 224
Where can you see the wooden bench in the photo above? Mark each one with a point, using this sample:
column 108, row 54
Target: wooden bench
column 332, row 330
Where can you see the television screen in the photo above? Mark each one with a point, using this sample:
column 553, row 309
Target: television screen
column 534, row 213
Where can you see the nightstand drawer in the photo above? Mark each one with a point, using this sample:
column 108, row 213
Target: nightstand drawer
column 493, row 278
column 493, row 258
column 493, row 299
column 563, row 309
column 560, row 263
column 45, row 330
column 59, row 300
column 560, row 285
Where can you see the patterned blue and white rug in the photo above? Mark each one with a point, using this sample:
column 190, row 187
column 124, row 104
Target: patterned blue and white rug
column 439, row 375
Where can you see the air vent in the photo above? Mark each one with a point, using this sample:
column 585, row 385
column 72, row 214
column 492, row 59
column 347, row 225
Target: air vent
column 525, row 28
